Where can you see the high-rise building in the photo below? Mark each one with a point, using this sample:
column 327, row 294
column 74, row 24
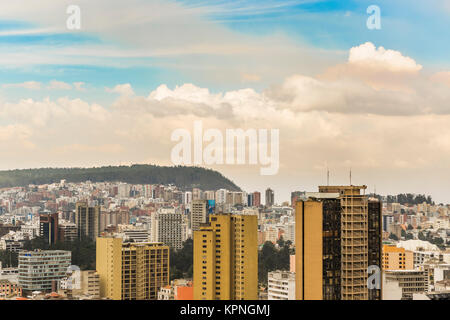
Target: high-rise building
column 336, row 242
column 256, row 199
column 296, row 196
column 226, row 258
column 270, row 197
column 48, row 227
column 133, row 270
column 250, row 199
column 221, row 196
column 87, row 220
column 167, row 224
column 199, row 213
column 40, row 269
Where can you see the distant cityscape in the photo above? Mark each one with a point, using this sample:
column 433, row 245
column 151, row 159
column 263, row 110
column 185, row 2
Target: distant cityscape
column 120, row 241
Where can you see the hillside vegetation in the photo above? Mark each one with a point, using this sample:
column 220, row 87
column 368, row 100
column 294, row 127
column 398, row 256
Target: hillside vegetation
column 181, row 176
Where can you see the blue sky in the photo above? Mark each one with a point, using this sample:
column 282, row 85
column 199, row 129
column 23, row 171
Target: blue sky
column 114, row 91
column 411, row 27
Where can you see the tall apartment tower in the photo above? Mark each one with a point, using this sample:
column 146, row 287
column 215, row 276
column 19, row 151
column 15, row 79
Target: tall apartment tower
column 133, row 270
column 87, row 220
column 226, row 258
column 166, row 227
column 336, row 242
column 48, row 227
column 199, row 213
column 256, row 199
column 270, row 197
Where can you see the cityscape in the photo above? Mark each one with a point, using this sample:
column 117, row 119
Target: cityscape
column 120, row 241
column 224, row 159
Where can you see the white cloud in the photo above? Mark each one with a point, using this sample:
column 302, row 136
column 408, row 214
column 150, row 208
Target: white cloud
column 122, row 89
column 31, row 85
column 387, row 136
column 368, row 56
column 59, row 85
column 79, row 86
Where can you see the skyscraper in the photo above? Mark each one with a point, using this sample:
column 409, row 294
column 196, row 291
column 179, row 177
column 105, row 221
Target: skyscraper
column 48, row 227
column 133, row 270
column 333, row 250
column 256, row 199
column 226, row 258
column 270, row 197
column 87, row 220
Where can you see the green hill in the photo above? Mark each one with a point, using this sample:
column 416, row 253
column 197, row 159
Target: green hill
column 183, row 177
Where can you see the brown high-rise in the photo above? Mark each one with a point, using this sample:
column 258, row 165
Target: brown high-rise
column 336, row 242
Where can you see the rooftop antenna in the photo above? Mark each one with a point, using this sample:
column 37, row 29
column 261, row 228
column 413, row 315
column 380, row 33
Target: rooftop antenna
column 328, row 176
column 350, row 176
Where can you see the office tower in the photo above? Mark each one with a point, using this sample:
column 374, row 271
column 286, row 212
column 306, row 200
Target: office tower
column 131, row 271
column 39, row 269
column 256, row 199
column 281, row 285
column 167, row 227
column 199, row 213
column 48, row 227
column 226, row 258
column 335, row 244
column 270, row 197
column 87, row 220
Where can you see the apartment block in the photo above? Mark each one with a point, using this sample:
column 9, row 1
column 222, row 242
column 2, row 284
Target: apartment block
column 87, row 220
column 199, row 213
column 226, row 258
column 397, row 258
column 131, row 271
column 167, row 224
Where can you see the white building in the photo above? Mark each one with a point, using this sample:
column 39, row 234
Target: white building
column 281, row 285
column 167, row 227
column 39, row 268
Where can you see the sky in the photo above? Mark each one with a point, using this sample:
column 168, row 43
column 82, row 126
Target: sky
column 342, row 96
